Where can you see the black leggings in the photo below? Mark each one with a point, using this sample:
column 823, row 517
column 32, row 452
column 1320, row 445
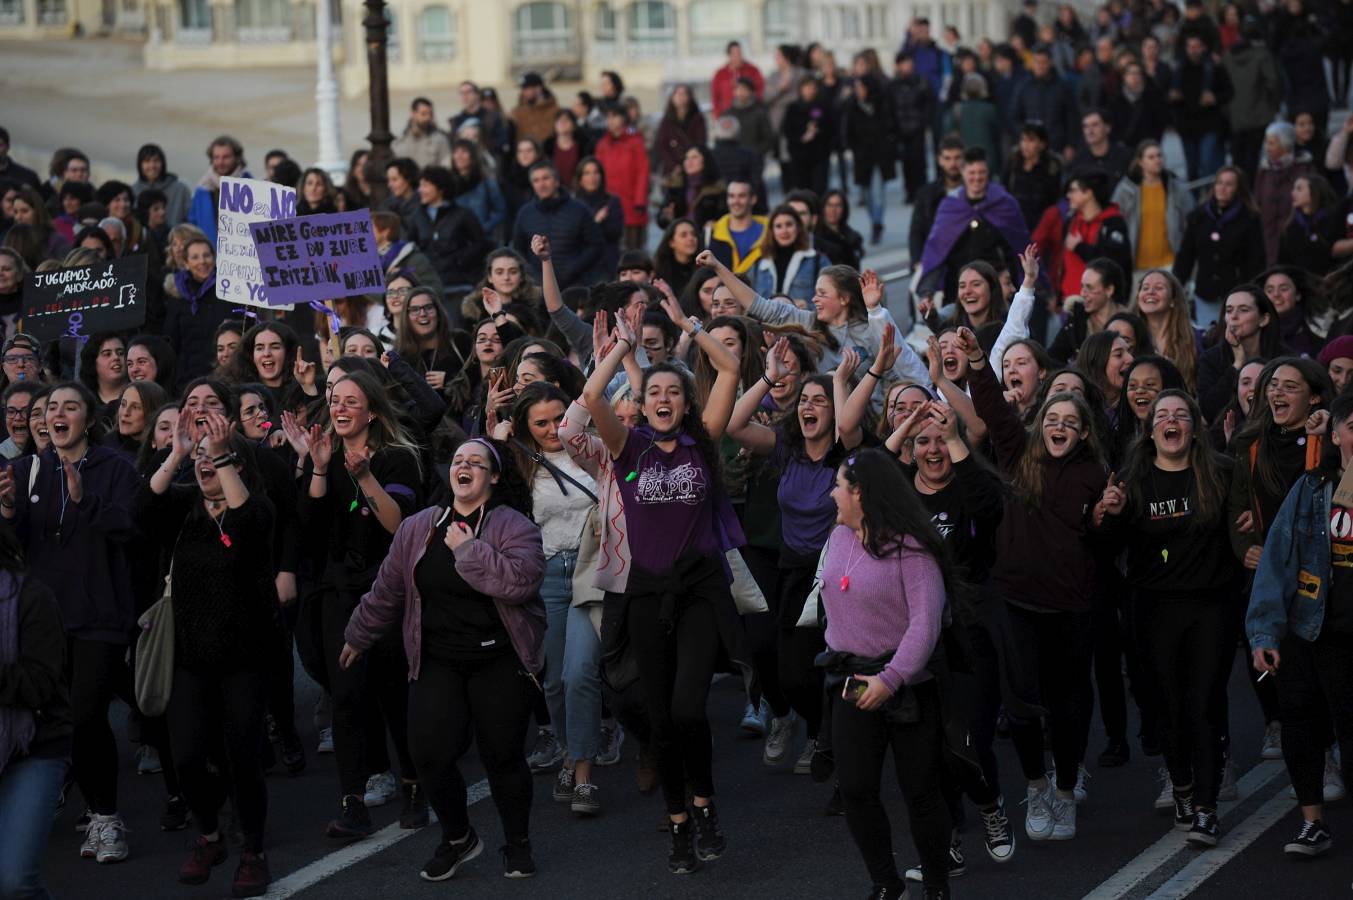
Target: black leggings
column 493, row 700
column 202, row 709
column 675, row 668
column 282, row 672
column 376, row 685
column 1190, row 644
column 97, row 672
column 861, row 741
column 1315, row 689
column 800, row 678
column 1058, row 646
column 763, row 628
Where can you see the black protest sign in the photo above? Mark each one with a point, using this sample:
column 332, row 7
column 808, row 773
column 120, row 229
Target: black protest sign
column 85, row 300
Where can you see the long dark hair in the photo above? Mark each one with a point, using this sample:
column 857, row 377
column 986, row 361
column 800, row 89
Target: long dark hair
column 1028, row 476
column 996, row 306
column 406, row 342
column 1207, row 488
column 693, row 424
column 690, row 294
column 1093, row 359
column 89, row 353
column 788, row 426
column 663, row 257
column 1270, row 335
column 166, row 360
column 1258, row 428
column 242, row 366
column 523, row 445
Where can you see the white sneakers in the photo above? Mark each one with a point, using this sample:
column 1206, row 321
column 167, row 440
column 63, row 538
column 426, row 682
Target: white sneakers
column 380, row 789
column 106, row 840
column 1038, row 821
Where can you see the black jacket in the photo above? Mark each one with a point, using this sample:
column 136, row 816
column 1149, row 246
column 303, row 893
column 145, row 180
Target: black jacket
column 1049, row 100
column 795, row 125
column 923, row 209
column 454, row 242
column 1310, row 244
column 575, row 240
column 870, row 135
column 1226, row 249
column 1034, row 189
column 36, row 679
column 190, row 326
column 1191, row 118
column 913, row 105
column 1139, row 120
column 843, row 248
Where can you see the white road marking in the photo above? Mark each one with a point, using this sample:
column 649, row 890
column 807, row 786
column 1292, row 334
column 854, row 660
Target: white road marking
column 1191, row 877
column 333, row 863
column 1141, row 867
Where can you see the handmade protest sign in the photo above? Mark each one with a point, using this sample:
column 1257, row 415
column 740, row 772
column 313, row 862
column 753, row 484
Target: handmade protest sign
column 243, row 201
column 318, row 257
column 80, row 302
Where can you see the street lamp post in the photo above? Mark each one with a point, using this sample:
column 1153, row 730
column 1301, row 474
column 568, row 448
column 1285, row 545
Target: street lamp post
column 326, row 94
column 380, row 137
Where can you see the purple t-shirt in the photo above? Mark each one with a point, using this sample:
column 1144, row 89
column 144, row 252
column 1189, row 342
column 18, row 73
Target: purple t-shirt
column 807, row 510
column 668, row 507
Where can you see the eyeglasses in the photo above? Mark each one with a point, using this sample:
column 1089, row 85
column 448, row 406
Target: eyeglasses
column 20, row 359
column 421, row 311
column 16, row 412
column 254, row 412
column 398, row 293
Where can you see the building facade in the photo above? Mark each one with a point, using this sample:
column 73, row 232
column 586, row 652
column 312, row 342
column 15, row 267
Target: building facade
column 437, row 43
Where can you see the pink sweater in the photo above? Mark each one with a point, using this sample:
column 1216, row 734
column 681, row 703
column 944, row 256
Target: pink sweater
column 892, row 605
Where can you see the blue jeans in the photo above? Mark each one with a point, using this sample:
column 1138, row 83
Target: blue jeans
column 29, row 788
column 1203, row 155
column 874, row 193
column 572, row 662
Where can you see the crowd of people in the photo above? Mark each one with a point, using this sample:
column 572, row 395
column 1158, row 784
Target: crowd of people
column 547, row 485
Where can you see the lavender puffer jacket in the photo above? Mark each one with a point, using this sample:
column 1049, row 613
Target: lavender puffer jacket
column 506, row 562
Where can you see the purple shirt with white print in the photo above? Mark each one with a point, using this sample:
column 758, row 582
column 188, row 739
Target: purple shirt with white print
column 669, row 507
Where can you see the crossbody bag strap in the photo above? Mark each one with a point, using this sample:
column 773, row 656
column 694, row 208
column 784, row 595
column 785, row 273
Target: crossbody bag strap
column 560, row 476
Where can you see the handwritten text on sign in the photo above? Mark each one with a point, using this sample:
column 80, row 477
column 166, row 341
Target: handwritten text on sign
column 79, row 302
column 319, row 257
column 243, row 201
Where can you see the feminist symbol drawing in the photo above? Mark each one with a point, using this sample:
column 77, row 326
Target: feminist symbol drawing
column 75, row 321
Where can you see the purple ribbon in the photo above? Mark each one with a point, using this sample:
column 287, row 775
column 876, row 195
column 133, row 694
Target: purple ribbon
column 335, row 323
column 247, row 313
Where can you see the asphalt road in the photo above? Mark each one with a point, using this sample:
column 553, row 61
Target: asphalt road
column 780, row 843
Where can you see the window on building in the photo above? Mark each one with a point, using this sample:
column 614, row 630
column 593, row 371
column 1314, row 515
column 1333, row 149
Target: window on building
column 436, row 34
column 652, row 28
column 716, row 22
column 51, row 12
column 850, row 23
column 775, row 22
column 11, row 12
column 194, row 15
column 544, row 31
column 605, row 24
column 394, row 47
column 263, row 21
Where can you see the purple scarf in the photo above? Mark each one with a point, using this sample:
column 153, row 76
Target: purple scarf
column 390, row 254
column 1220, row 219
column 194, row 295
column 16, row 722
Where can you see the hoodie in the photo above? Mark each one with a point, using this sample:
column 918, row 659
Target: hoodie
column 83, row 553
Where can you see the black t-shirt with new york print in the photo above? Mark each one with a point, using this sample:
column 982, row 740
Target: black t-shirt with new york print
column 1169, row 554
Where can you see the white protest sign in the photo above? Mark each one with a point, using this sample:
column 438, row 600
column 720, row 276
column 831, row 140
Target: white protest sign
column 246, row 200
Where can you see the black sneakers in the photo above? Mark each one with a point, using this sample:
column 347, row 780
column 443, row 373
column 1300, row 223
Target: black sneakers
column 1205, row 831
column 415, row 811
column 517, row 860
column 354, row 822
column 1184, row 813
column 175, row 816
column 682, row 858
column 449, row 857
column 894, row 891
column 1313, row 840
column 835, row 806
column 709, row 839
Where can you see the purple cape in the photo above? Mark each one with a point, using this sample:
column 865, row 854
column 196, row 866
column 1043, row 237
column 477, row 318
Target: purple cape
column 998, row 208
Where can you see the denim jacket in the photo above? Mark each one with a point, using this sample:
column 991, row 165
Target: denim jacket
column 1294, row 572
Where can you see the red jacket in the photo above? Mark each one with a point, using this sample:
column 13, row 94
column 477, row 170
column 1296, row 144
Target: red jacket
column 721, row 87
column 625, row 162
column 1103, row 236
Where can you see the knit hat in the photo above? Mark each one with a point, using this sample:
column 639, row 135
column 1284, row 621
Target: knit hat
column 1339, row 348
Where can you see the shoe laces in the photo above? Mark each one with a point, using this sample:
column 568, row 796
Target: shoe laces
column 706, row 819
column 997, row 825
column 111, row 830
column 1204, row 818
column 585, row 790
column 1308, row 830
